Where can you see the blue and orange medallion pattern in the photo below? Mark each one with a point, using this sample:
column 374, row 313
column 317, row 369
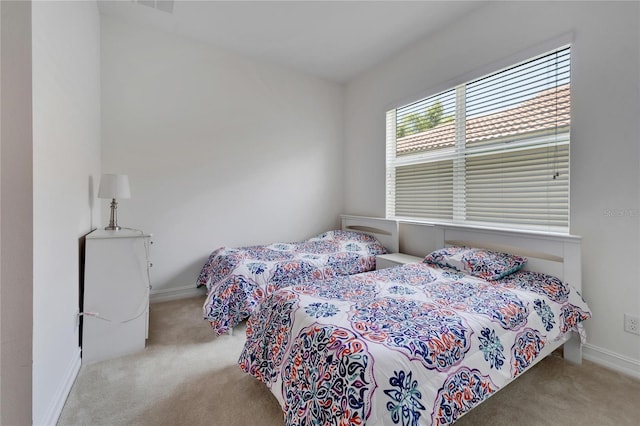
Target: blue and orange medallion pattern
column 238, row 279
column 327, row 379
column 402, row 346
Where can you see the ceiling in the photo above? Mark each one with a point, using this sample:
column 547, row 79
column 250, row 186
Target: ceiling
column 334, row 40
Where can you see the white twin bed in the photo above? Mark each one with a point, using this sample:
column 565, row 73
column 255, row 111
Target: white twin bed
column 420, row 343
column 239, row 279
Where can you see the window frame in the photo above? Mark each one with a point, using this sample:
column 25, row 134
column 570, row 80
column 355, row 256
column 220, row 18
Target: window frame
column 459, row 152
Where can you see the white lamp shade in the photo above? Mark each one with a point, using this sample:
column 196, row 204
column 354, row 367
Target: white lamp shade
column 114, row 186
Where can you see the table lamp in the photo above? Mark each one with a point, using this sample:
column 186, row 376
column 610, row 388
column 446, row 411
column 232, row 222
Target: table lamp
column 114, row 186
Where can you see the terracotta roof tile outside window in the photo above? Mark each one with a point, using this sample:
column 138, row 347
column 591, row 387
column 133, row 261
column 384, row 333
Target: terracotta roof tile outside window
column 536, row 116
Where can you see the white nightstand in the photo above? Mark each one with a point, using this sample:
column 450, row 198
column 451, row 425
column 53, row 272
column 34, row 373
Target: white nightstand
column 116, row 294
column 395, row 259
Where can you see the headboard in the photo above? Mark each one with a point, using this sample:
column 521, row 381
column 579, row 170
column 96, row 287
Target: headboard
column 554, row 254
column 385, row 230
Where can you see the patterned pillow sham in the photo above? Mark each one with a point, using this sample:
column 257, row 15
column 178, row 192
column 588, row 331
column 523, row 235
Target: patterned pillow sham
column 482, row 263
column 352, row 241
column 538, row 282
column 341, row 235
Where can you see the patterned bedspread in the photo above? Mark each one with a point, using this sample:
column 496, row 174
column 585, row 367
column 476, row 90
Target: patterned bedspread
column 407, row 345
column 238, row 279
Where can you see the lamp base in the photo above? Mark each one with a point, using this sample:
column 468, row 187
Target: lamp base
column 113, row 219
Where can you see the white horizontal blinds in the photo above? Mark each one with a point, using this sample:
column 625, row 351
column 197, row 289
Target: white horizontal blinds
column 517, row 145
column 525, row 101
column 425, row 138
column 425, row 190
column 426, row 125
column 516, row 187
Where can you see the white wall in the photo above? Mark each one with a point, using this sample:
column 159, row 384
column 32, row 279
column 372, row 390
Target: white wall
column 604, row 145
column 66, row 160
column 219, row 149
column 16, row 208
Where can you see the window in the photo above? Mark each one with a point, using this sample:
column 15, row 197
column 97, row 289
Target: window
column 493, row 152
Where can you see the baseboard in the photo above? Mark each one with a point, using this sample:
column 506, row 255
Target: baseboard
column 55, row 409
column 168, row 294
column 611, row 360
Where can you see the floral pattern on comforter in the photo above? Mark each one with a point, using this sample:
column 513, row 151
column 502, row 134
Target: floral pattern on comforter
column 238, row 279
column 407, row 345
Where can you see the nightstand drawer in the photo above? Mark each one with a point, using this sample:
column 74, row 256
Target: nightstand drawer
column 395, row 259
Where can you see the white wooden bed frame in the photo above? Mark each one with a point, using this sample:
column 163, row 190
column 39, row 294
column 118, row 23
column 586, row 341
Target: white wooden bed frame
column 554, row 254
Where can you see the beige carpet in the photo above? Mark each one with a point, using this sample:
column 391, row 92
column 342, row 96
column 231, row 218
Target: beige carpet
column 187, row 376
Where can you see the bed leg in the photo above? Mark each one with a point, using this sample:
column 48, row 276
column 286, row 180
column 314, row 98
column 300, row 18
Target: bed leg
column 572, row 349
column 230, row 332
